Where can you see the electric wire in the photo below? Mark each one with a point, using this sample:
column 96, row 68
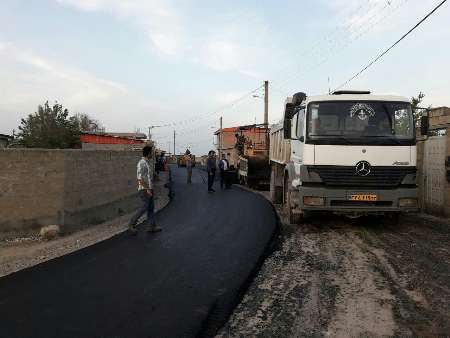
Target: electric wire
column 341, row 45
column 392, row 46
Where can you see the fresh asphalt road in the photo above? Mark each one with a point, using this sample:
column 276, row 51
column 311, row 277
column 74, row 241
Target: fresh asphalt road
column 181, row 282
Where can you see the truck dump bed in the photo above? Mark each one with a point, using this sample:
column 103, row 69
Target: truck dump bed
column 280, row 149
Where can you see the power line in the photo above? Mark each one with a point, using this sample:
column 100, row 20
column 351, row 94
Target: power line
column 392, row 46
column 343, row 26
column 215, row 112
column 339, row 46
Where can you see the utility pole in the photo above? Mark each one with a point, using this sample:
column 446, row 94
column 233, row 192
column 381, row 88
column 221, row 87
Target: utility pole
column 174, row 152
column 220, row 139
column 266, row 104
column 266, row 111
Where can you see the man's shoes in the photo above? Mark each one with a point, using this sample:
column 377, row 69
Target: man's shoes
column 154, row 228
column 211, row 190
column 132, row 229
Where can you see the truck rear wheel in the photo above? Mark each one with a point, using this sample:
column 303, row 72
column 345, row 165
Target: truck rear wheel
column 276, row 192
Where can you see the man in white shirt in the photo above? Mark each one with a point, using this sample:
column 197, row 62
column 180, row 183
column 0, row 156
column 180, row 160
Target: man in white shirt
column 146, row 194
column 223, row 166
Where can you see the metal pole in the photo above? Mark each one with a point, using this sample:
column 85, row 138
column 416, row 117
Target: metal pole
column 220, row 140
column 174, row 151
column 266, row 112
column 266, row 103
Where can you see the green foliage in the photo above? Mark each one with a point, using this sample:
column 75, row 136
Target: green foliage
column 415, row 103
column 49, row 127
column 240, row 144
column 86, row 123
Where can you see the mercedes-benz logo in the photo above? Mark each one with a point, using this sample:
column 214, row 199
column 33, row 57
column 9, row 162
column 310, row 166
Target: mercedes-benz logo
column 362, row 168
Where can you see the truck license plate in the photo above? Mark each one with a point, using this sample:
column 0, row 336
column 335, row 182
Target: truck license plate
column 363, row 197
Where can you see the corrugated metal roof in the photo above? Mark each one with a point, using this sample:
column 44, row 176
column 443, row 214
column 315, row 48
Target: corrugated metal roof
column 135, row 136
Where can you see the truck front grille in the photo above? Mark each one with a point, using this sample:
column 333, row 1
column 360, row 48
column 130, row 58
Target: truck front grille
column 347, row 176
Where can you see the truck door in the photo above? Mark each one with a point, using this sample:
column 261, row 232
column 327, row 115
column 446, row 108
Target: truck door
column 298, row 135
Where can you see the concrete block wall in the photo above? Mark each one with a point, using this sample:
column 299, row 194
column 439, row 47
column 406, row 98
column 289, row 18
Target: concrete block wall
column 31, row 189
column 99, row 185
column 71, row 188
column 447, row 172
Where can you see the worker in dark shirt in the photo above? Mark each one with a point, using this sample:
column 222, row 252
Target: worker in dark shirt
column 211, row 168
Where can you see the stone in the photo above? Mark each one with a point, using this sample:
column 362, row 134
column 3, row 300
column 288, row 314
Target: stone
column 49, row 232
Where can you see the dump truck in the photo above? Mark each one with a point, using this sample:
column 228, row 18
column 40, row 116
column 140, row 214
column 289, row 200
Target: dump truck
column 349, row 152
column 254, row 168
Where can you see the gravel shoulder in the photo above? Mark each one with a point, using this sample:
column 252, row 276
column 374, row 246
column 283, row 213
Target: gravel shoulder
column 361, row 278
column 20, row 253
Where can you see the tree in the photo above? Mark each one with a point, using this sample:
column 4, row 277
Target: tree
column 86, row 123
column 415, row 103
column 240, row 144
column 49, row 127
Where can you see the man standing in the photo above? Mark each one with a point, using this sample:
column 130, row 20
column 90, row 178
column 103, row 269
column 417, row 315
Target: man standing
column 157, row 164
column 162, row 161
column 188, row 160
column 146, row 194
column 211, row 168
column 223, row 167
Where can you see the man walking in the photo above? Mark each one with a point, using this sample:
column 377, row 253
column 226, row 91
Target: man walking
column 223, row 167
column 188, row 160
column 211, row 168
column 146, row 194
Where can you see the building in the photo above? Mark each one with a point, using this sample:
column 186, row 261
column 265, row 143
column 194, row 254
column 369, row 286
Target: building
column 5, row 140
column 256, row 138
column 112, row 141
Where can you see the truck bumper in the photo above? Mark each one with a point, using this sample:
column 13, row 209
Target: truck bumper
column 338, row 200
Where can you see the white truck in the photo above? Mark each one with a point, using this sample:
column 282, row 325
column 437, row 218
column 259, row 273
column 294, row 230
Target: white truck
column 349, row 153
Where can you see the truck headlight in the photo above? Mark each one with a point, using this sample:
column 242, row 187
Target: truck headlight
column 313, row 201
column 408, row 202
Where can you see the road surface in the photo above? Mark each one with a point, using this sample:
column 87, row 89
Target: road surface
column 182, row 282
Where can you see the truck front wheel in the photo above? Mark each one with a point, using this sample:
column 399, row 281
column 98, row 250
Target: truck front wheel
column 290, row 216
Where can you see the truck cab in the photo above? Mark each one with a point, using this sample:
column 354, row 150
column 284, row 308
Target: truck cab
column 349, row 153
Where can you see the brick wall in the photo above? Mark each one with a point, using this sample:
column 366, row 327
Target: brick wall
column 72, row 188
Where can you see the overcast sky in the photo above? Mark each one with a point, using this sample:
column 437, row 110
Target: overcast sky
column 133, row 64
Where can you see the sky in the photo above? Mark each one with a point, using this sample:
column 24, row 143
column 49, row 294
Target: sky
column 183, row 64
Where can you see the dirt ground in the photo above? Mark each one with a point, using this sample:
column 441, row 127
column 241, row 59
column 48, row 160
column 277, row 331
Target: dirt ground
column 361, row 278
column 20, row 253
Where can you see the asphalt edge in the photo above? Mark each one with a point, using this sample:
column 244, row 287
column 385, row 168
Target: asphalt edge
column 221, row 310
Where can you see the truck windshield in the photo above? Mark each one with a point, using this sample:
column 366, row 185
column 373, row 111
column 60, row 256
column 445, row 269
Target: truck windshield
column 360, row 122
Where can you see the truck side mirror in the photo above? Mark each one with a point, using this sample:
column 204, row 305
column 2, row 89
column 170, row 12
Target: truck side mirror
column 424, row 125
column 287, row 129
